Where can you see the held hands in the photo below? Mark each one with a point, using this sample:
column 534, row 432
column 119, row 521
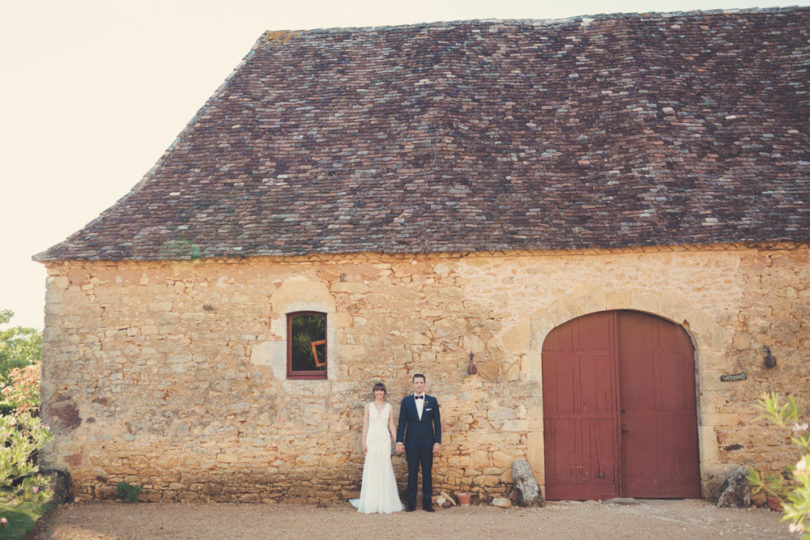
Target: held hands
column 365, row 449
column 437, row 447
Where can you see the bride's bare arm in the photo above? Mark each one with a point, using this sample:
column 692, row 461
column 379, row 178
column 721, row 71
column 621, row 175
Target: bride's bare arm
column 391, row 426
column 365, row 428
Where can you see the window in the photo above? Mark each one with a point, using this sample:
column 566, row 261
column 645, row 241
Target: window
column 306, row 345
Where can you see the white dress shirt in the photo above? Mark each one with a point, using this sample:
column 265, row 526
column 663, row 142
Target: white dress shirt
column 420, row 405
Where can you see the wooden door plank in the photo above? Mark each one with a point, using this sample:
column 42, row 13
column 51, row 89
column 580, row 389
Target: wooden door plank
column 659, row 450
column 579, row 410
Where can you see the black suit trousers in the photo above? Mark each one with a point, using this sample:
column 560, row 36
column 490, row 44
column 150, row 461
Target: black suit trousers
column 416, row 456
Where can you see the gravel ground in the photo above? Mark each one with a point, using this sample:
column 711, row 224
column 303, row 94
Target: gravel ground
column 692, row 519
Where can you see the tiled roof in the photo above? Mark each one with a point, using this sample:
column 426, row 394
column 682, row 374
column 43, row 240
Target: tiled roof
column 612, row 131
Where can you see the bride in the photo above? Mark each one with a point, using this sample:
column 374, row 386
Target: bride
column 379, row 492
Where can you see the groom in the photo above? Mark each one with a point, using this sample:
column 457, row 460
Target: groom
column 420, row 427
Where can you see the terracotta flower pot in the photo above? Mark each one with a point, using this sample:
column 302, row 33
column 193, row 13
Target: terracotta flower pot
column 463, row 498
column 759, row 498
column 774, row 503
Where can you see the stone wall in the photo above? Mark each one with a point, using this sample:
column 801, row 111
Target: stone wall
column 172, row 375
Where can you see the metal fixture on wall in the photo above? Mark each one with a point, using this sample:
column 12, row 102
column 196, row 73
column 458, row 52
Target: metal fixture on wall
column 471, row 369
column 770, row 361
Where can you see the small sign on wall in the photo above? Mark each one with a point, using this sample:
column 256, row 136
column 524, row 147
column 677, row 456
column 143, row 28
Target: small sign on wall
column 733, row 377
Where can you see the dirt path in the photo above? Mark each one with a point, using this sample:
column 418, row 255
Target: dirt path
column 691, row 519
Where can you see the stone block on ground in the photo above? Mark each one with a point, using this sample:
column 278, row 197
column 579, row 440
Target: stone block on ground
column 735, row 491
column 61, row 485
column 526, row 486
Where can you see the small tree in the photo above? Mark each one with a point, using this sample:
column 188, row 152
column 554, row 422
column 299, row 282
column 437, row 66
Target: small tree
column 19, row 346
column 794, row 491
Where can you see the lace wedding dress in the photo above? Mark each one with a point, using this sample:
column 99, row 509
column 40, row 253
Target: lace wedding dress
column 379, row 493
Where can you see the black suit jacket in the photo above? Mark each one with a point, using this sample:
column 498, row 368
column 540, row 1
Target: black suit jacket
column 415, row 432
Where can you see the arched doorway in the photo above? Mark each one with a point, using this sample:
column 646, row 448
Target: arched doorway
column 619, row 412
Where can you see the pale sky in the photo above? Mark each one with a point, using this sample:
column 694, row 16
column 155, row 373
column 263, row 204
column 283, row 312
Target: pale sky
column 92, row 92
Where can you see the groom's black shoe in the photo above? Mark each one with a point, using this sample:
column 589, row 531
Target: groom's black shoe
column 428, row 509
column 410, row 508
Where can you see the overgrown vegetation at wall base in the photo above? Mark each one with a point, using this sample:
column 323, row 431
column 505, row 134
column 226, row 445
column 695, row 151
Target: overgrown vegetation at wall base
column 792, row 488
column 21, row 437
column 127, row 492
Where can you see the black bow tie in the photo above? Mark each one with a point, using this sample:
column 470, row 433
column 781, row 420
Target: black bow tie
column 419, row 397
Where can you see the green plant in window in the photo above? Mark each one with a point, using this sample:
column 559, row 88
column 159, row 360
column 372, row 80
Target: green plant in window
column 306, row 329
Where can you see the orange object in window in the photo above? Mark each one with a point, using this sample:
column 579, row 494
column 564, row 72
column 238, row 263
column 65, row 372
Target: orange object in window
column 315, row 353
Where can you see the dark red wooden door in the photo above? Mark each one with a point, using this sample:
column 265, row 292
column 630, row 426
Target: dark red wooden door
column 658, row 411
column 579, row 409
column 619, row 409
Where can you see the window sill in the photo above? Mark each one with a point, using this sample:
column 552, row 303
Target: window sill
column 307, row 376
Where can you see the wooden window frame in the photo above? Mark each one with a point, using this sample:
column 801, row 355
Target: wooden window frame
column 307, row 375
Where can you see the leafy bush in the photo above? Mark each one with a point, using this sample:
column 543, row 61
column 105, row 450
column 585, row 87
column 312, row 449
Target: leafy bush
column 24, row 493
column 127, row 492
column 792, row 487
column 21, row 437
column 21, row 393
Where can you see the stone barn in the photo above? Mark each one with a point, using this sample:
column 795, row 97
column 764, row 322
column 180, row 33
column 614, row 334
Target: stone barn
column 607, row 217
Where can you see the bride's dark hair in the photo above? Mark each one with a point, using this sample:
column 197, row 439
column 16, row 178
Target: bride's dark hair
column 379, row 385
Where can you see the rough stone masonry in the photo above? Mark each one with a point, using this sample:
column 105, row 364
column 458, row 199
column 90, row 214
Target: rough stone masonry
column 171, row 375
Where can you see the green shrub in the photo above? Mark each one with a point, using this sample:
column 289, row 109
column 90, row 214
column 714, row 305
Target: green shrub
column 127, row 492
column 24, row 493
column 21, row 437
column 793, row 486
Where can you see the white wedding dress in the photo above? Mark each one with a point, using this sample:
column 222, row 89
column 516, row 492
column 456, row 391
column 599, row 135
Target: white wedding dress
column 379, row 492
